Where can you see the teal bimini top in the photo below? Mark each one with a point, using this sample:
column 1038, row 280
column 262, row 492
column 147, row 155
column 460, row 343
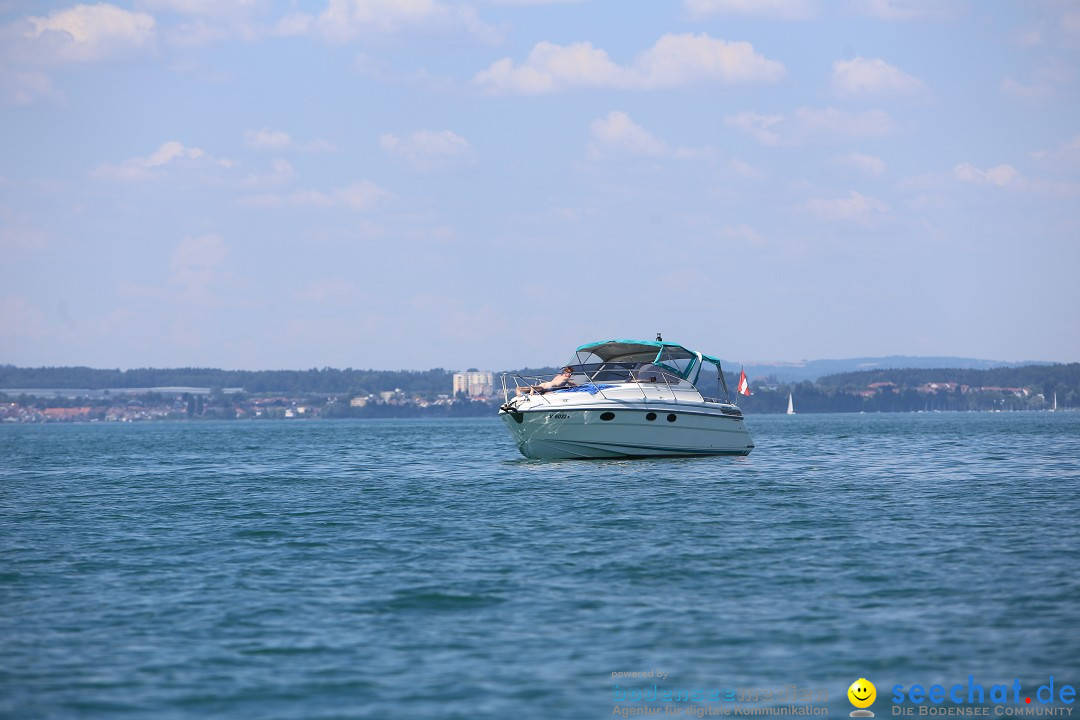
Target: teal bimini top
column 671, row 356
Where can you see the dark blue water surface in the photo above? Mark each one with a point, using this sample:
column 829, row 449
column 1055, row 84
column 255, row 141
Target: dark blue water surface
column 423, row 569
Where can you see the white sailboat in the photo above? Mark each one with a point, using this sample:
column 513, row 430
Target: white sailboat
column 1053, row 408
column 790, row 405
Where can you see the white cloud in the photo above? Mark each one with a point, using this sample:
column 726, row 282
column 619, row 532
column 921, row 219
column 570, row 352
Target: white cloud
column 551, row 67
column 778, row 9
column 168, row 152
column 22, row 238
column 807, row 124
column 674, row 61
column 855, row 206
column 197, row 266
column 361, row 196
column 764, row 128
column 81, row 34
column 741, row 234
column 88, row 33
column 344, row 21
column 872, row 76
column 746, row 170
column 203, row 8
column 294, row 23
column 1070, row 27
column 1003, row 176
column 1033, row 93
column 200, row 32
column 205, row 21
column 319, row 146
column 689, row 59
column 618, row 133
column 267, row 139
column 194, row 254
column 140, row 168
column 1045, row 82
column 281, row 171
column 535, row 2
column 331, row 291
column 1029, row 37
column 999, row 175
column 901, row 10
column 1065, row 154
column 25, row 87
column 814, row 122
column 427, row 149
column 867, row 164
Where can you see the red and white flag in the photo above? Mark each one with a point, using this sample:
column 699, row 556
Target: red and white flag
column 744, row 386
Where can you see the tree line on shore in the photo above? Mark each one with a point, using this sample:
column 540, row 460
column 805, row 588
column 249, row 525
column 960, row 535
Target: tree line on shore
column 315, row 380
column 881, row 390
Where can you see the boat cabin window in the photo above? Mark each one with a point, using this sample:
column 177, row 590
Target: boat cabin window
column 609, row 371
column 678, row 359
column 621, row 372
column 647, row 372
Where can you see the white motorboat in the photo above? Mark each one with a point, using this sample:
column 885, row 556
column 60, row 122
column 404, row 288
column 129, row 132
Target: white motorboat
column 627, row 398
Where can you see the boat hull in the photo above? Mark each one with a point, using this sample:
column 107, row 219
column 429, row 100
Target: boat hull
column 622, row 431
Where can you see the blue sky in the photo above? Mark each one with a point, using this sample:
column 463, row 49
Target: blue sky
column 416, row 183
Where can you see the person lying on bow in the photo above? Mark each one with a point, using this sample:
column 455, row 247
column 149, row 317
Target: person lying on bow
column 559, row 381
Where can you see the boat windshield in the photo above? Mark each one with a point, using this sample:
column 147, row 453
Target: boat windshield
column 648, row 361
column 710, row 380
column 630, row 372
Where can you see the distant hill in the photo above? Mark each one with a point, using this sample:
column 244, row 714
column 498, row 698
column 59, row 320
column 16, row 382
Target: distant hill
column 1040, row 377
column 315, row 380
column 1029, row 387
column 813, row 370
column 427, row 382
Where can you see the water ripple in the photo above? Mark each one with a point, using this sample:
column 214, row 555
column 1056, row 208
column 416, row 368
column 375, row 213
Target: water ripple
column 422, row 569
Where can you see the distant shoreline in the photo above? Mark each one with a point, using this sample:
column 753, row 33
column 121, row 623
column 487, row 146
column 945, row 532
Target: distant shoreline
column 470, row 416
column 85, row 394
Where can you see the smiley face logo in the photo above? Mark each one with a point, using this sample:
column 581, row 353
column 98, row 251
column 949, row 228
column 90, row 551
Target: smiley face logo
column 862, row 694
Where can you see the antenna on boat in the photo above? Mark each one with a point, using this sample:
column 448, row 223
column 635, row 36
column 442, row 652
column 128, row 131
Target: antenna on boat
column 658, row 338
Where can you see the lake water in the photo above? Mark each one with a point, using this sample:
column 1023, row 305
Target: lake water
column 424, row 569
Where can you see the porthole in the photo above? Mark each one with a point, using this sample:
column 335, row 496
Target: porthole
column 671, row 417
column 607, row 416
column 650, row 417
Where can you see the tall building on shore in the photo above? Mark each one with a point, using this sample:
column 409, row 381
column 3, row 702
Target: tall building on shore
column 475, row 383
